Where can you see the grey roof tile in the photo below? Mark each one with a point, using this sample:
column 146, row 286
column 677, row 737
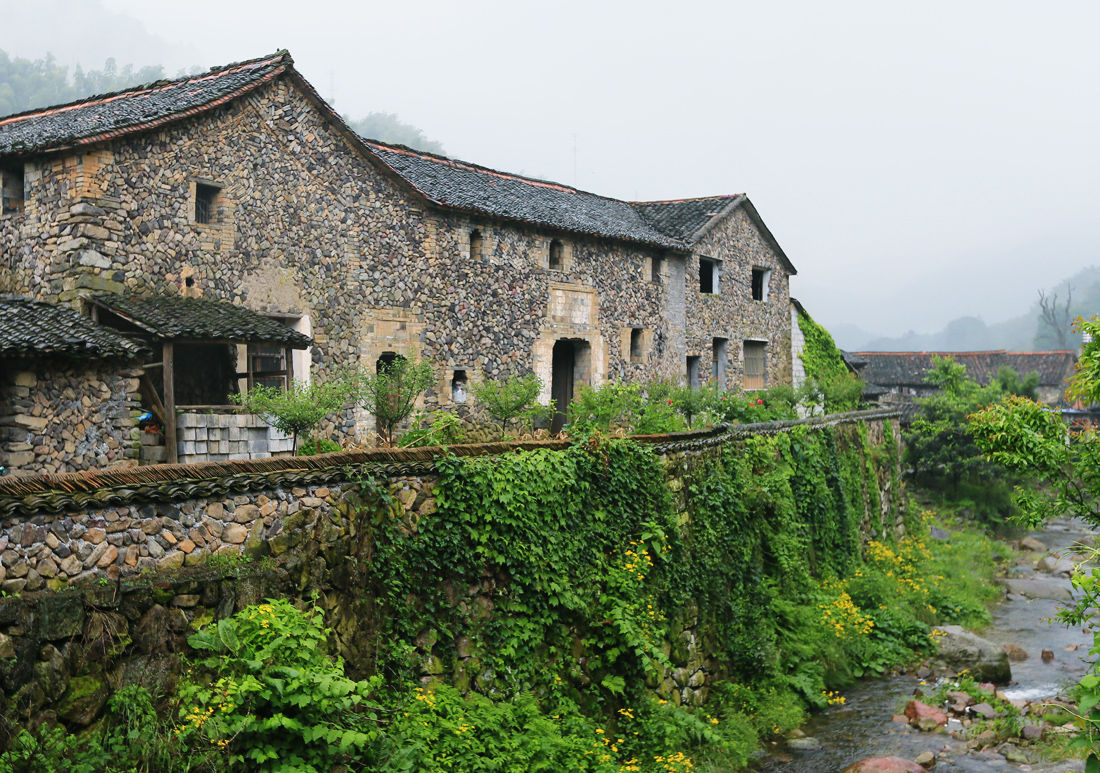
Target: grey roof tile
column 31, row 328
column 110, row 115
column 173, row 317
column 683, row 218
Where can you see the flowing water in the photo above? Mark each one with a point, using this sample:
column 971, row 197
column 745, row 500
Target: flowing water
column 863, row 727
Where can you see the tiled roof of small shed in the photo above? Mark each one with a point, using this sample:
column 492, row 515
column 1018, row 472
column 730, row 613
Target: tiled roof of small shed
column 200, row 319
column 909, row 368
column 35, row 328
column 144, row 107
column 683, row 218
column 460, row 185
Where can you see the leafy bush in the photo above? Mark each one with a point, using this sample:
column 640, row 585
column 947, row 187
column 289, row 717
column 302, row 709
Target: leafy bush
column 390, row 394
column 129, row 738
column 267, row 697
column 298, row 409
column 315, row 446
column 440, row 731
column 436, row 428
column 514, row 399
column 618, row 406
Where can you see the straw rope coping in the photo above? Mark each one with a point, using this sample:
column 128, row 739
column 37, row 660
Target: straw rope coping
column 19, row 486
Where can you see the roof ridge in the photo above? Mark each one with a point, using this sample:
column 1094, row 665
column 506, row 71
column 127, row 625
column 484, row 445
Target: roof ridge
column 690, row 198
column 165, row 83
column 458, row 163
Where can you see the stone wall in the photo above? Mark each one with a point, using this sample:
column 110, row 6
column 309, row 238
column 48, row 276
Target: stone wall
column 60, row 416
column 307, row 227
column 731, row 313
column 224, row 436
column 168, row 549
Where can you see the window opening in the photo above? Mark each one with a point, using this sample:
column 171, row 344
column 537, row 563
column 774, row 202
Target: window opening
column 458, row 386
column 557, row 257
column 636, row 344
column 655, row 269
column 206, row 199
column 693, row 372
column 755, row 373
column 477, row 245
column 267, row 365
column 760, row 278
column 708, row 275
column 12, row 181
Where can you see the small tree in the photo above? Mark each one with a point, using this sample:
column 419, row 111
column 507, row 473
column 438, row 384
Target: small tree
column 391, row 393
column 512, row 399
column 298, row 409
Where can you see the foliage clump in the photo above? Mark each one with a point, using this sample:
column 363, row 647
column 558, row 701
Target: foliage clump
column 515, row 399
column 299, row 408
column 829, row 383
column 390, row 394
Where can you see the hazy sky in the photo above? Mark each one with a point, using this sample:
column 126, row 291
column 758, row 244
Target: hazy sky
column 916, row 161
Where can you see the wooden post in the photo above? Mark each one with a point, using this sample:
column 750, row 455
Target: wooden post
column 170, row 402
column 289, row 359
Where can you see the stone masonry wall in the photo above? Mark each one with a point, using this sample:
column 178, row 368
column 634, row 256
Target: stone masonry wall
column 732, row 313
column 164, row 555
column 307, row 227
column 61, row 417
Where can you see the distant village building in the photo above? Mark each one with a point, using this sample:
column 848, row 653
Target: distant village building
column 185, row 240
column 902, row 374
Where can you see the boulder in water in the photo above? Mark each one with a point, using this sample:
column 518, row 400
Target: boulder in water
column 884, row 765
column 924, row 717
column 1030, row 543
column 1038, row 589
column 960, row 649
column 1014, row 652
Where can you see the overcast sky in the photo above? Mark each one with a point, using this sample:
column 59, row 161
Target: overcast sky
column 916, row 161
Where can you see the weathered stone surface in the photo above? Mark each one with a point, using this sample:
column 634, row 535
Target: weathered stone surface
column 961, row 649
column 1032, row 544
column 1014, row 652
column 923, row 716
column 83, row 699
column 234, row 534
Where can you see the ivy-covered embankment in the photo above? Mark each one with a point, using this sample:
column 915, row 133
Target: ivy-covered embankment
column 613, row 605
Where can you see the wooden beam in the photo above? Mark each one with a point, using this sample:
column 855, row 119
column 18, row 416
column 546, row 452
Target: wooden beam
column 150, row 394
column 288, row 355
column 170, row 402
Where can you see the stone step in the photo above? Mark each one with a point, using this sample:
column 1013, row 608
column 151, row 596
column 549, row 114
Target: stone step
column 153, row 454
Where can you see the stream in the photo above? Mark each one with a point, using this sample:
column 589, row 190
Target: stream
column 863, row 726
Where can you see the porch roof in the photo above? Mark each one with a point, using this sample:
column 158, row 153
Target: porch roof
column 174, row 317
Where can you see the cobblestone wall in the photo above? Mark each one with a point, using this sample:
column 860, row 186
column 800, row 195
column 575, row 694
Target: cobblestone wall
column 61, row 417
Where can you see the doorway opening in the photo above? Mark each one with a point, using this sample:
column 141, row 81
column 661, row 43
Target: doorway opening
column 570, row 368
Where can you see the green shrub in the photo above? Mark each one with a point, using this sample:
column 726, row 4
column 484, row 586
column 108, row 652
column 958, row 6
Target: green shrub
column 300, row 408
column 315, row 446
column 629, row 408
column 267, row 697
column 390, row 393
column 513, row 400
column 437, row 428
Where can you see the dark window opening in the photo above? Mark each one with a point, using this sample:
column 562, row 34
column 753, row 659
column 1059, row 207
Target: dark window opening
column 636, row 344
column 206, row 201
column 476, row 245
column 708, row 276
column 760, row 283
column 12, row 182
column 458, row 386
column 693, row 372
column 557, row 256
column 755, row 371
column 655, row 269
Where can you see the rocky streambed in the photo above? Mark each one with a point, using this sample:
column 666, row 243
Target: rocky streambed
column 896, row 723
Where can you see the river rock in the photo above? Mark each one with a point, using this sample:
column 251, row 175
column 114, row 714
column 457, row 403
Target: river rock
column 959, row 700
column 961, row 649
column 1056, row 565
column 1038, row 589
column 803, row 744
column 924, row 717
column 1032, row 544
column 984, row 710
column 1014, row 652
column 1032, row 732
column 884, row 765
column 925, row 760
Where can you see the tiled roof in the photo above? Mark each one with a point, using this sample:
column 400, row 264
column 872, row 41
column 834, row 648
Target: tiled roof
column 909, row 368
column 200, row 319
column 144, row 107
column 460, row 185
column 35, row 328
column 683, row 218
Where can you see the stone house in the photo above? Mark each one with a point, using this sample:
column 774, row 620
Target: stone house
column 240, row 200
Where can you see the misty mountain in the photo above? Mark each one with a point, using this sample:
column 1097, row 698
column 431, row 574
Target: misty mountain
column 968, row 333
